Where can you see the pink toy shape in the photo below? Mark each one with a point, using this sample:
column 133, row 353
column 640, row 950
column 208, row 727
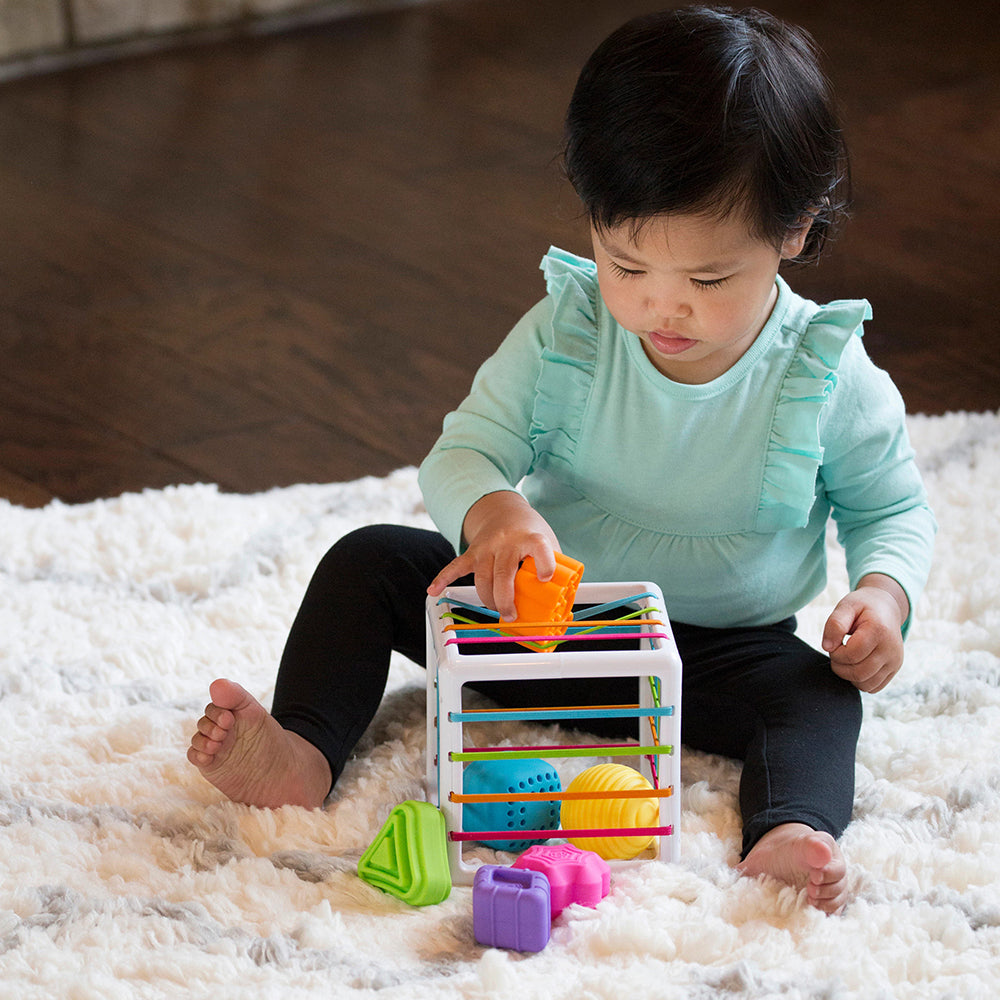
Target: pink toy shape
column 575, row 876
column 510, row 909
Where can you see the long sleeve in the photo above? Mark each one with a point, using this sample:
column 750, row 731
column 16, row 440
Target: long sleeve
column 871, row 479
column 484, row 445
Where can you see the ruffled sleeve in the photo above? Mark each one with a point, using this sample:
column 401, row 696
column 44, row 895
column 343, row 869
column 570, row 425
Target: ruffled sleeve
column 569, row 361
column 795, row 452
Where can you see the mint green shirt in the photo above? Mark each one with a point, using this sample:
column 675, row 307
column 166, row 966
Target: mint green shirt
column 719, row 493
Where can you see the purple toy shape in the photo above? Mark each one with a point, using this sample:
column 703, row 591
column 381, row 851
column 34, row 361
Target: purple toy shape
column 511, row 909
column 575, row 876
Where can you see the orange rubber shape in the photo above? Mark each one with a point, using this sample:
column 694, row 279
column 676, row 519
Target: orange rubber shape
column 550, row 603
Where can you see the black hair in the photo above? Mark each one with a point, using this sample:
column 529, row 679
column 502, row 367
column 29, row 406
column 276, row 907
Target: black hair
column 708, row 110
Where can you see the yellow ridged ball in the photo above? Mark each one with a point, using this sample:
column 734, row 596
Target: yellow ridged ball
column 581, row 814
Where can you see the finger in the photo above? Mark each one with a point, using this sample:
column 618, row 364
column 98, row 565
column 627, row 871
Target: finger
column 845, row 671
column 858, row 647
column 880, row 679
column 484, row 584
column 504, row 571
column 861, row 679
column 545, row 561
column 838, row 626
column 870, row 675
column 459, row 566
column 858, row 674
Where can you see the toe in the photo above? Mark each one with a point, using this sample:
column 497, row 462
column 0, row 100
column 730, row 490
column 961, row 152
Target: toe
column 198, row 757
column 819, row 851
column 205, row 746
column 830, row 896
column 220, row 716
column 216, row 729
column 228, row 694
column 832, row 904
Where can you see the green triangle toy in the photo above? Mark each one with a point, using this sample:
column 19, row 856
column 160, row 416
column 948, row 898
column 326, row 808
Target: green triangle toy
column 409, row 856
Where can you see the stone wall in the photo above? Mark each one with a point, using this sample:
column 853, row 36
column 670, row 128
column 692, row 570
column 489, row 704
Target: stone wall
column 42, row 33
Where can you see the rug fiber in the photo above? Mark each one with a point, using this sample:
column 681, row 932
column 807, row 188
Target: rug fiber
column 125, row 874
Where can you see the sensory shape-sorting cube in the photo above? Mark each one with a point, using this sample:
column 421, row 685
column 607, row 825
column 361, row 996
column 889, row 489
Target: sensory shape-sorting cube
column 619, row 630
column 511, row 908
column 517, row 776
column 574, row 875
column 409, row 856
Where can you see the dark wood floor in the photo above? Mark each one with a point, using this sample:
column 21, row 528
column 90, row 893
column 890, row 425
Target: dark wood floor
column 281, row 259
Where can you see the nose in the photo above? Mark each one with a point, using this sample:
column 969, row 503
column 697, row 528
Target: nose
column 668, row 303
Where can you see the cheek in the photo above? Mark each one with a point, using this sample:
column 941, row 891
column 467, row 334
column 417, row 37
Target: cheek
column 620, row 304
column 728, row 317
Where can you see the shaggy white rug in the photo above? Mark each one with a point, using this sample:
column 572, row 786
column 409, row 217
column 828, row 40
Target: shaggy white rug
column 124, row 874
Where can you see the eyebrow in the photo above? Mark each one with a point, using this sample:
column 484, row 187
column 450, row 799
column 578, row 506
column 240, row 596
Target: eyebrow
column 615, row 251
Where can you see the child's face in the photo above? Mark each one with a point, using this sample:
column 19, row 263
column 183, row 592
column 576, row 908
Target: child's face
column 695, row 290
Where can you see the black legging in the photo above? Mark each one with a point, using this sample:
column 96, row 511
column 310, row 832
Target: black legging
column 759, row 695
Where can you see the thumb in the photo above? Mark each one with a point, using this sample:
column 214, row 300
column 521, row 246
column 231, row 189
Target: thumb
column 839, row 625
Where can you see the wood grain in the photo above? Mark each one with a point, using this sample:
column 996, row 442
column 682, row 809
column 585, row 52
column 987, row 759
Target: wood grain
column 282, row 259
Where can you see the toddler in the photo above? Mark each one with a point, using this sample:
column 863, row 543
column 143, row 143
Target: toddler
column 670, row 411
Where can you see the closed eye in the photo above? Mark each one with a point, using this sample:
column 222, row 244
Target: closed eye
column 624, row 272
column 710, row 283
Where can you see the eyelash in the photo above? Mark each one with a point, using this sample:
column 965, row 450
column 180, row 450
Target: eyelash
column 714, row 283
column 624, row 272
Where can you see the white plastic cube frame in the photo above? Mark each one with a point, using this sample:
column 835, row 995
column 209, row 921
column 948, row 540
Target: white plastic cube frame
column 448, row 670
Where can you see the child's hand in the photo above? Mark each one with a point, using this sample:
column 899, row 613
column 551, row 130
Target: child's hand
column 864, row 635
column 500, row 529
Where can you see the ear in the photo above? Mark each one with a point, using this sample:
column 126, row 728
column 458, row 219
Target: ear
column 795, row 240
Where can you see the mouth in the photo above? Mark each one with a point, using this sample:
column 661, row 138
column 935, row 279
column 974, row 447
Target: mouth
column 666, row 342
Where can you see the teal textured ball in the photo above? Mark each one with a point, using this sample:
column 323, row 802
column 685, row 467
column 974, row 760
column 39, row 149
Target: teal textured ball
column 516, row 777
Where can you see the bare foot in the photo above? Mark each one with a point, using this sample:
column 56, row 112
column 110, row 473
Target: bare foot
column 250, row 758
column 803, row 857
